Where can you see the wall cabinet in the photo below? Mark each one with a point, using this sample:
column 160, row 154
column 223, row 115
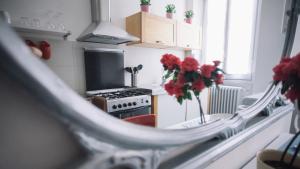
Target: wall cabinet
column 160, row 32
column 153, row 31
column 188, row 36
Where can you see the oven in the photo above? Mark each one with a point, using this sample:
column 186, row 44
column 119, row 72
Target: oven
column 122, row 114
column 104, row 70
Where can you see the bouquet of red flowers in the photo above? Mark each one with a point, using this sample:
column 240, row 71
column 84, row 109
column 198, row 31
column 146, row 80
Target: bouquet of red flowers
column 288, row 72
column 187, row 77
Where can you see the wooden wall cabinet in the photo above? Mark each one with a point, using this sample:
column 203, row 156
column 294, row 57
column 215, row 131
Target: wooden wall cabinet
column 153, row 31
column 160, row 32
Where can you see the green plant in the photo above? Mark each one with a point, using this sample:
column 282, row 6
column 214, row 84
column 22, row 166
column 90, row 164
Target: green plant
column 145, row 2
column 170, row 8
column 189, row 14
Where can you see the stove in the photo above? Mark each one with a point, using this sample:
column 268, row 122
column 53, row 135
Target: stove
column 123, row 102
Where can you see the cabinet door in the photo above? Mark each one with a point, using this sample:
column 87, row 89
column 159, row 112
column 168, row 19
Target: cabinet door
column 188, row 36
column 169, row 111
column 158, row 30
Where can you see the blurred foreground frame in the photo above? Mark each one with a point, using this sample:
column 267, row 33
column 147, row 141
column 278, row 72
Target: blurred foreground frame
column 45, row 124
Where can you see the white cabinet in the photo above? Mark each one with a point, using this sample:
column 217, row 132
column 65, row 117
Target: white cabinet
column 170, row 112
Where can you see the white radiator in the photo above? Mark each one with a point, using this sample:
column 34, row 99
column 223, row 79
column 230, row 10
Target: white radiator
column 224, row 99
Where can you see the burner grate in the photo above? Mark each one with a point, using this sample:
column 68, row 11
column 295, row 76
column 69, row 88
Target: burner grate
column 124, row 93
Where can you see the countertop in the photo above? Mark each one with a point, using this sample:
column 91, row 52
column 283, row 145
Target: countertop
column 156, row 89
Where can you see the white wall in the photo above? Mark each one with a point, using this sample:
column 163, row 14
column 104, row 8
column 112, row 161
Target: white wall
column 67, row 56
column 149, row 57
column 270, row 42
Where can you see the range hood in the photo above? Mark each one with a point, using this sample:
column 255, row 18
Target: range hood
column 101, row 30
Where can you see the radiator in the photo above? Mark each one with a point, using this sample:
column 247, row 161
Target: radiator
column 224, row 99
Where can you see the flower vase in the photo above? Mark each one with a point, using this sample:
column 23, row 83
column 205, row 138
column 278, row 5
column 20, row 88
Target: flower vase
column 169, row 15
column 267, row 159
column 202, row 117
column 145, row 8
column 287, row 159
column 188, row 20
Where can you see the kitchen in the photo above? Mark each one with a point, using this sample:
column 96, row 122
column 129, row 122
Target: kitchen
column 67, row 21
column 67, row 56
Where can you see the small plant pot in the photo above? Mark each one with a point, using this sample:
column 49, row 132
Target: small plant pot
column 145, row 8
column 188, row 20
column 169, row 15
column 267, row 159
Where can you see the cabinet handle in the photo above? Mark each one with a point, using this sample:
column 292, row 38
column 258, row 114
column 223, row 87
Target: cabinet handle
column 158, row 41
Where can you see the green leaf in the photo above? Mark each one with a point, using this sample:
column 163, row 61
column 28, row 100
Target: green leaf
column 180, row 100
column 196, row 93
column 168, row 74
column 185, row 89
column 189, row 95
column 207, row 82
column 145, row 2
column 195, row 75
column 284, row 88
column 220, row 70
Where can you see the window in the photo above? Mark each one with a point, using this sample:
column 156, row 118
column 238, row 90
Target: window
column 229, row 32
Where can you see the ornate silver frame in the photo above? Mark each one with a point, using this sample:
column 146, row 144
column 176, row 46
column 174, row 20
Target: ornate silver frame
column 112, row 146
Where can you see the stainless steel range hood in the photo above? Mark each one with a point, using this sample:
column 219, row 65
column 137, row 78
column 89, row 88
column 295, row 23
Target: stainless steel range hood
column 101, row 30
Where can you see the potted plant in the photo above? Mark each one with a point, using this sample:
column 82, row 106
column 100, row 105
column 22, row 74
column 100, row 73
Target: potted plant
column 287, row 72
column 170, row 9
column 145, row 5
column 187, row 77
column 188, row 16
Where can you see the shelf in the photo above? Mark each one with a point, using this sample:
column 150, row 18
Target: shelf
column 42, row 33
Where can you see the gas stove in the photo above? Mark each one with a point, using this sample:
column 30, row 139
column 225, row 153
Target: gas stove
column 121, row 100
column 113, row 94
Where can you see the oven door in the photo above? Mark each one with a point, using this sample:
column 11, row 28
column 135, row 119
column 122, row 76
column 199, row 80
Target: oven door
column 132, row 112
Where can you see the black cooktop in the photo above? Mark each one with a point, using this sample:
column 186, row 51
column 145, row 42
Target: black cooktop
column 130, row 92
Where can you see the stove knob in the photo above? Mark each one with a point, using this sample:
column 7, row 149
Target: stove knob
column 124, row 105
column 119, row 105
column 134, row 103
column 147, row 101
column 129, row 104
column 114, row 106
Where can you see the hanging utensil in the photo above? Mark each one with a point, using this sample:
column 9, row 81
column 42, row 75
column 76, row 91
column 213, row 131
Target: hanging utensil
column 128, row 69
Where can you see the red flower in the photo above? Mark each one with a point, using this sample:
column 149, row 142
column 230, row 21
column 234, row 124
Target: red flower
column 219, row 79
column 285, row 60
column 178, row 91
column 189, row 64
column 217, row 62
column 206, row 70
column 198, row 85
column 169, row 87
column 288, row 71
column 181, row 79
column 280, row 74
column 170, row 61
column 296, row 64
column 293, row 94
